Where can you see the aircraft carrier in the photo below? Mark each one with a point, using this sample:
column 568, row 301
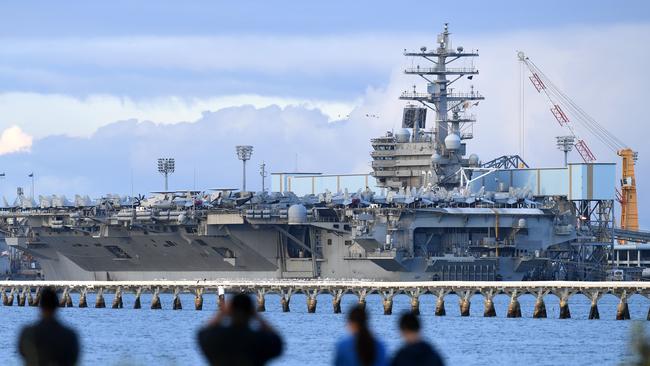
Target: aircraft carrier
column 439, row 213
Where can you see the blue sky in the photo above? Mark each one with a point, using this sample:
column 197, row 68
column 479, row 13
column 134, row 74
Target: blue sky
column 92, row 92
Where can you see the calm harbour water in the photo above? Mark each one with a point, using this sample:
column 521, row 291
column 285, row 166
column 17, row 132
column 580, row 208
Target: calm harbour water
column 167, row 337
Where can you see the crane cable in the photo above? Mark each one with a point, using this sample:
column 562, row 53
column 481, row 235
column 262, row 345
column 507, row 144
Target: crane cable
column 553, row 92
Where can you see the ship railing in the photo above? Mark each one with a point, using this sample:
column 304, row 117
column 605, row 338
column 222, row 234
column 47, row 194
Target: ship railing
column 437, row 70
column 425, row 96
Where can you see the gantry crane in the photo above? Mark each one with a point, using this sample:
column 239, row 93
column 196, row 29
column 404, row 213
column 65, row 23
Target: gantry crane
column 562, row 107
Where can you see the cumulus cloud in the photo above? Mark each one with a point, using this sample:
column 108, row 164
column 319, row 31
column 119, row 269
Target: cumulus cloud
column 13, row 139
column 74, row 116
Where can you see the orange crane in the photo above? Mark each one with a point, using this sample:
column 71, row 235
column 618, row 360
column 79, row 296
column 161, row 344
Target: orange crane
column 562, row 107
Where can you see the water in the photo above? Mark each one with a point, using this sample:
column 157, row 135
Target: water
column 167, row 337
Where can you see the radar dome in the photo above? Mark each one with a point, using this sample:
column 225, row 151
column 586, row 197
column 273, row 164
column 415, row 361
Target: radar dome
column 452, row 141
column 435, row 158
column 473, row 160
column 403, row 135
column 297, row 214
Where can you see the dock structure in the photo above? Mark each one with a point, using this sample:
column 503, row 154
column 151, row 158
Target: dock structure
column 25, row 293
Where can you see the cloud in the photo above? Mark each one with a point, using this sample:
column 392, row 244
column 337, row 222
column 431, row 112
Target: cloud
column 13, row 139
column 73, row 116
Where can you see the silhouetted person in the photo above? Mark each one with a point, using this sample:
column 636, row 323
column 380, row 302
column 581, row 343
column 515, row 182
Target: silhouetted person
column 360, row 347
column 415, row 351
column 48, row 342
column 232, row 339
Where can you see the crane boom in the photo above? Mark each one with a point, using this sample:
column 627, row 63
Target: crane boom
column 562, row 107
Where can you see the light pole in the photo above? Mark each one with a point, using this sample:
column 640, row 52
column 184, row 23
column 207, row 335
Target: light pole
column 244, row 153
column 166, row 167
column 264, row 173
column 565, row 144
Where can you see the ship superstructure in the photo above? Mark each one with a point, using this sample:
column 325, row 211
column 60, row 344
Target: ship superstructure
column 440, row 215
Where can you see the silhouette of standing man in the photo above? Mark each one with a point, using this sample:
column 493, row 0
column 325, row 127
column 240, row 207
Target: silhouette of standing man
column 231, row 339
column 48, row 342
column 415, row 351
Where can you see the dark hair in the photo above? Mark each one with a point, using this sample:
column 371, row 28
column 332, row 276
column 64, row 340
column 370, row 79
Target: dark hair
column 409, row 322
column 241, row 309
column 365, row 343
column 49, row 300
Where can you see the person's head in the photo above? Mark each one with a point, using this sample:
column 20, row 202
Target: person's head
column 365, row 343
column 241, row 309
column 409, row 325
column 49, row 301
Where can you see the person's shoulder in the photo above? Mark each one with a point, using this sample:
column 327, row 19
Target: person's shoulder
column 212, row 329
column 27, row 331
column 428, row 349
column 346, row 341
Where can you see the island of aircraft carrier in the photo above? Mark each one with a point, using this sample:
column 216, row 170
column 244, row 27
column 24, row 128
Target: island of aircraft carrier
column 430, row 211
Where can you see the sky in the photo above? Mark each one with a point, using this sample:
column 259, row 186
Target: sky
column 91, row 93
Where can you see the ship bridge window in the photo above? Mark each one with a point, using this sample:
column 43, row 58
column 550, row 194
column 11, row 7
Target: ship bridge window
column 117, row 252
column 169, row 243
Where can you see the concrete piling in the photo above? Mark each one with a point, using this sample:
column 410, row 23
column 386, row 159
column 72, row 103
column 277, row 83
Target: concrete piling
column 311, row 303
column 387, row 301
column 464, row 303
column 565, row 313
column 514, row 308
column 176, row 301
column 10, row 297
column 337, row 289
column 30, row 298
column 489, row 311
column 22, row 298
column 117, row 300
column 137, row 303
column 99, row 299
column 440, row 303
column 37, row 297
column 261, row 301
column 221, row 298
column 593, row 311
column 336, row 300
column 622, row 310
column 67, row 299
column 198, row 299
column 539, row 311
column 415, row 301
column 155, row 300
column 362, row 298
column 285, row 304
column 285, row 299
column 83, row 302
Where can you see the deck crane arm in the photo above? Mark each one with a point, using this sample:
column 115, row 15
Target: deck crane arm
column 565, row 111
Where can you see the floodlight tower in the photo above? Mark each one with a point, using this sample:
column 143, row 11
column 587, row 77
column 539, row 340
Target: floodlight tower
column 166, row 167
column 244, row 153
column 565, row 144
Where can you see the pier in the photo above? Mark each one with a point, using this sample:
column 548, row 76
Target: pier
column 26, row 293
